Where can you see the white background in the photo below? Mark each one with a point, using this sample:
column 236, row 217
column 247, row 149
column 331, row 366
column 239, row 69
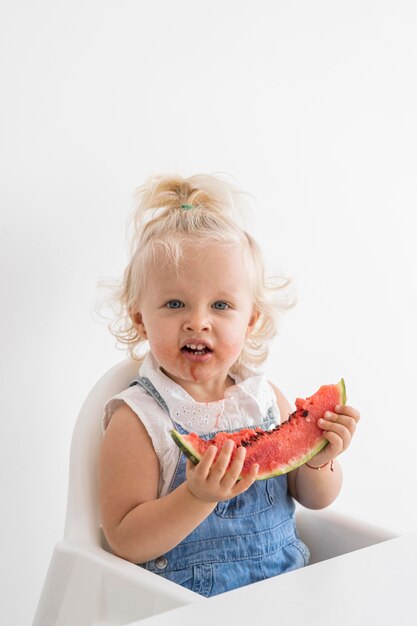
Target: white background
column 312, row 107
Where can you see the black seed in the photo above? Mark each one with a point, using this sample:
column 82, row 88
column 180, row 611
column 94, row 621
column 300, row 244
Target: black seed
column 305, row 413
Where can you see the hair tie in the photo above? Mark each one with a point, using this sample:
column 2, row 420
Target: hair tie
column 187, row 207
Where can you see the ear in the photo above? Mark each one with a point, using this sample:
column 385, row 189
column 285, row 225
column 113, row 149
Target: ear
column 254, row 318
column 136, row 317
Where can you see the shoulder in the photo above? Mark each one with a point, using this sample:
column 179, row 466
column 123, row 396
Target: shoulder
column 125, row 430
column 126, row 449
column 134, row 397
column 283, row 405
column 140, row 403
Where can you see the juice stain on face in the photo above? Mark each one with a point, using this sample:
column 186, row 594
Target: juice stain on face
column 193, row 370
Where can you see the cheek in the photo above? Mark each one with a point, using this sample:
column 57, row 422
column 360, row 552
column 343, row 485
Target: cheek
column 239, row 337
column 235, row 333
column 160, row 348
column 233, row 347
column 159, row 340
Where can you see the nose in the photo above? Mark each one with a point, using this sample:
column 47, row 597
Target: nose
column 197, row 321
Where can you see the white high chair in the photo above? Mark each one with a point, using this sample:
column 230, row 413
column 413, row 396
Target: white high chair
column 86, row 585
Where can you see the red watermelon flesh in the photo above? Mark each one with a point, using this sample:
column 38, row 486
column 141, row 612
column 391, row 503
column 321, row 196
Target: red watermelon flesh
column 282, row 449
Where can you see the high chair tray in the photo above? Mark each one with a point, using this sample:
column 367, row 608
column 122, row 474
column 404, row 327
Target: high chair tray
column 374, row 585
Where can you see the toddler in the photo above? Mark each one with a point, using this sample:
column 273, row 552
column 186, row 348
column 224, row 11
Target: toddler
column 195, row 290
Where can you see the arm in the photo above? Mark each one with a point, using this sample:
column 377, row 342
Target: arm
column 138, row 525
column 316, row 489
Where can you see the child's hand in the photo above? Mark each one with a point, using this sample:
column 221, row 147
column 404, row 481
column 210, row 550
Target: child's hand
column 339, row 428
column 213, row 482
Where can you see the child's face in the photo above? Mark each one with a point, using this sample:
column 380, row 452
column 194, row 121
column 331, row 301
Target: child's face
column 209, row 302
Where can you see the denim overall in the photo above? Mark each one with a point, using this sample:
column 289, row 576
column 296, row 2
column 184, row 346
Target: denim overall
column 248, row 538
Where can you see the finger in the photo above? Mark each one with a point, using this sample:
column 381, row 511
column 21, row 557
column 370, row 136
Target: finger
column 190, row 468
column 203, row 467
column 336, row 441
column 344, row 409
column 219, row 468
column 340, row 429
column 246, row 482
column 338, row 437
column 235, row 469
column 344, row 420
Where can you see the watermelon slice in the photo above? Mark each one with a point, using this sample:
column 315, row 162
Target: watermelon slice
column 282, row 449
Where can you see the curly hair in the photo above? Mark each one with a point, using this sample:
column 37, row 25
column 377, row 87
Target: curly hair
column 160, row 230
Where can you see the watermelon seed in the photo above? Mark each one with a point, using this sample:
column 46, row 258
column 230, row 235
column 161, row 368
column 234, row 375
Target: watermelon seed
column 305, row 414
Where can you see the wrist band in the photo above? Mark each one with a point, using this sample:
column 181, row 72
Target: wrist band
column 321, row 466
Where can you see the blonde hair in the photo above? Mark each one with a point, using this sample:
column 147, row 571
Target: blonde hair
column 163, row 222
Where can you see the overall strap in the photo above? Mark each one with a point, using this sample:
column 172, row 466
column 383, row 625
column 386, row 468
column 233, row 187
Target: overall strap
column 149, row 387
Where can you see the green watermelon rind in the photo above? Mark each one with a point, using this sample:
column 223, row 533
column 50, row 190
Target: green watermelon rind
column 189, row 452
column 342, row 389
column 195, row 458
column 321, row 444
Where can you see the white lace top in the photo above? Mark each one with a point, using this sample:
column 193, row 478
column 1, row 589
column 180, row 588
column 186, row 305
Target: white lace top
column 246, row 403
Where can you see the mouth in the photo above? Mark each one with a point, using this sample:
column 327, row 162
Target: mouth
column 197, row 350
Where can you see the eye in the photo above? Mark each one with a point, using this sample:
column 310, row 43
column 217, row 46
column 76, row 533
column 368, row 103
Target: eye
column 174, row 304
column 220, row 305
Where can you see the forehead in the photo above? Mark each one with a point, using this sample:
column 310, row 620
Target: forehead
column 212, row 267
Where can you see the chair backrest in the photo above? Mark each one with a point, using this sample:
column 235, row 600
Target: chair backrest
column 82, row 522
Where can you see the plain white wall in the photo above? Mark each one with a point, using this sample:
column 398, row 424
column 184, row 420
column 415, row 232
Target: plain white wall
column 312, row 107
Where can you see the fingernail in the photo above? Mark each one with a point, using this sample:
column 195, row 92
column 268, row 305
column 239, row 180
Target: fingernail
column 328, row 415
